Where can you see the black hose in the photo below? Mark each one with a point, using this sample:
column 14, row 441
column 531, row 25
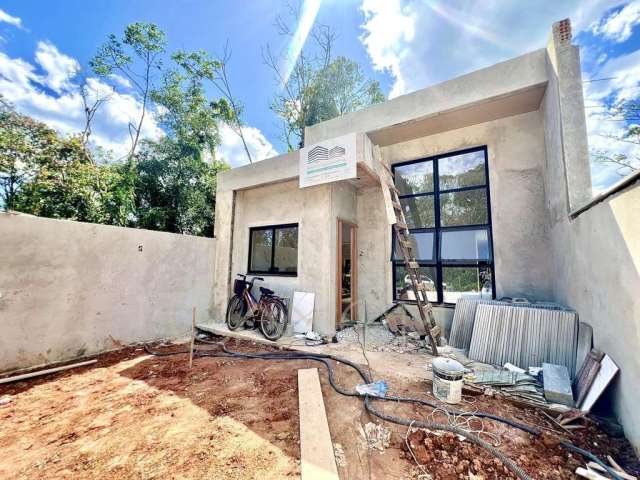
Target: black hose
column 324, row 359
column 591, row 456
column 506, row 461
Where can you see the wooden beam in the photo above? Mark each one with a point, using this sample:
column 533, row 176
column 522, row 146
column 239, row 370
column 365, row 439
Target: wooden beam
column 47, row 371
column 317, row 460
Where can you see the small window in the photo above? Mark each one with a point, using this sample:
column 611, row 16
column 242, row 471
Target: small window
column 414, row 178
column 465, row 245
column 469, row 282
column 419, row 211
column 404, row 288
column 273, row 250
column 463, row 170
column 422, row 243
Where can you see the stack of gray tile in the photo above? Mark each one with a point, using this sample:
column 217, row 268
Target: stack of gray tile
column 465, row 314
column 526, row 337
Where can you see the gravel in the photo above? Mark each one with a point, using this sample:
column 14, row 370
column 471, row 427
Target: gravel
column 379, row 339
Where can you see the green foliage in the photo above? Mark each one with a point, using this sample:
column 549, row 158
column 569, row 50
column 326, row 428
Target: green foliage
column 315, row 93
column 175, row 188
column 319, row 86
column 22, row 142
column 144, row 40
column 187, row 115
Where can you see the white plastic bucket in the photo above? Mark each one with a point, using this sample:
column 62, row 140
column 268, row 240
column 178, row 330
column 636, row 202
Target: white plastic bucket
column 447, row 379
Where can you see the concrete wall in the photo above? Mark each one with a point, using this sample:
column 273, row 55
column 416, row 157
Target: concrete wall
column 597, row 272
column 595, row 256
column 69, row 289
column 276, row 204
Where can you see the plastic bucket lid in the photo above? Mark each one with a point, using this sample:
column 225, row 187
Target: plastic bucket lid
column 447, row 368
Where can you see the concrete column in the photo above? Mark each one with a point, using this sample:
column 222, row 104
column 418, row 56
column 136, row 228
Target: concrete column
column 223, row 234
column 565, row 90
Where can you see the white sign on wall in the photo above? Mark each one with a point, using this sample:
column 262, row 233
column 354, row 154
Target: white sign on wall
column 328, row 161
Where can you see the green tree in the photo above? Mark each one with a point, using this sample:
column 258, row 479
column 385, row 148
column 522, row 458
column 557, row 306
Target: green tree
column 136, row 56
column 175, row 189
column 318, row 86
column 176, row 175
column 23, row 141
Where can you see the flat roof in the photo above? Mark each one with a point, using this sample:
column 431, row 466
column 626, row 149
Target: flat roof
column 502, row 90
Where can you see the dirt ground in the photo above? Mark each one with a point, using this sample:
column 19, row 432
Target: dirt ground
column 137, row 416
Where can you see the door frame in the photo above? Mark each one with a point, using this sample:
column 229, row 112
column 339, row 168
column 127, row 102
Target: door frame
column 354, row 271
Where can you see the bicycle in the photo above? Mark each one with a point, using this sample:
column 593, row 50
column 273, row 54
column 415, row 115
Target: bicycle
column 269, row 311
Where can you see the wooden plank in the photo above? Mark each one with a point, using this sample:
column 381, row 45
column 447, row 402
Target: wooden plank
column 587, row 374
column 608, row 370
column 317, row 460
column 24, row 376
column 193, row 337
column 590, row 474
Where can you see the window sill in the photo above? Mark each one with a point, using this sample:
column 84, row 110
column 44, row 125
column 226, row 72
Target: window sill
column 260, row 274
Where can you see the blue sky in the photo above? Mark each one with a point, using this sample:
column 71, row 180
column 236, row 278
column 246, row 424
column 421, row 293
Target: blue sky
column 405, row 44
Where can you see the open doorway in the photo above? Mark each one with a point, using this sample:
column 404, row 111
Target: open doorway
column 346, row 273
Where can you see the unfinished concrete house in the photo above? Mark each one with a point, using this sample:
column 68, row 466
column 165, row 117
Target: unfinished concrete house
column 491, row 172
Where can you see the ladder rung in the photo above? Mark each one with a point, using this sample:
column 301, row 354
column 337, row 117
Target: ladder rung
column 405, row 243
column 396, row 205
column 435, row 331
column 401, row 226
column 412, row 264
column 420, row 286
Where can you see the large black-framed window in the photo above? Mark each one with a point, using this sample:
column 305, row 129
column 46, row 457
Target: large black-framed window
column 447, row 207
column 273, row 250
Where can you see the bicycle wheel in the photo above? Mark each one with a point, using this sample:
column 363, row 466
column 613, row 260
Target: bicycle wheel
column 273, row 321
column 235, row 318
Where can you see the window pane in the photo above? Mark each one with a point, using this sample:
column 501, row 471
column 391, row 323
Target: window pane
column 466, row 282
column 286, row 251
column 261, row 250
column 414, row 178
column 422, row 246
column 461, row 170
column 419, row 211
column 463, row 208
column 465, row 245
column 404, row 289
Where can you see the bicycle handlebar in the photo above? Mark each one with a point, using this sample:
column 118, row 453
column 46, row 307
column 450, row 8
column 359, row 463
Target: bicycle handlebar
column 244, row 277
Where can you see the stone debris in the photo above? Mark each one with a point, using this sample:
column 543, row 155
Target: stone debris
column 5, row 400
column 379, row 338
column 377, row 436
column 338, row 451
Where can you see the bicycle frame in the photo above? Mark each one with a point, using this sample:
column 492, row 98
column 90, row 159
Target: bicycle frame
column 252, row 304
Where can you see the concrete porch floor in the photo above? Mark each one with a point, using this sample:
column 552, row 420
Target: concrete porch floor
column 410, row 366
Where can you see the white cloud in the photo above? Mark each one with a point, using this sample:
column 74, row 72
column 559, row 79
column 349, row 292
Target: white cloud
column 388, row 31
column 11, row 20
column 46, row 90
column 425, row 42
column 60, row 68
column 232, row 151
column 624, row 84
column 619, row 25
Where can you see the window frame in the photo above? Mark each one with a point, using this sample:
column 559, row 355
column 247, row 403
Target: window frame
column 437, row 229
column 271, row 272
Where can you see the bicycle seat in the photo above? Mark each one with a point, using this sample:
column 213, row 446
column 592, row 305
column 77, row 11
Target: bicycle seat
column 266, row 291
